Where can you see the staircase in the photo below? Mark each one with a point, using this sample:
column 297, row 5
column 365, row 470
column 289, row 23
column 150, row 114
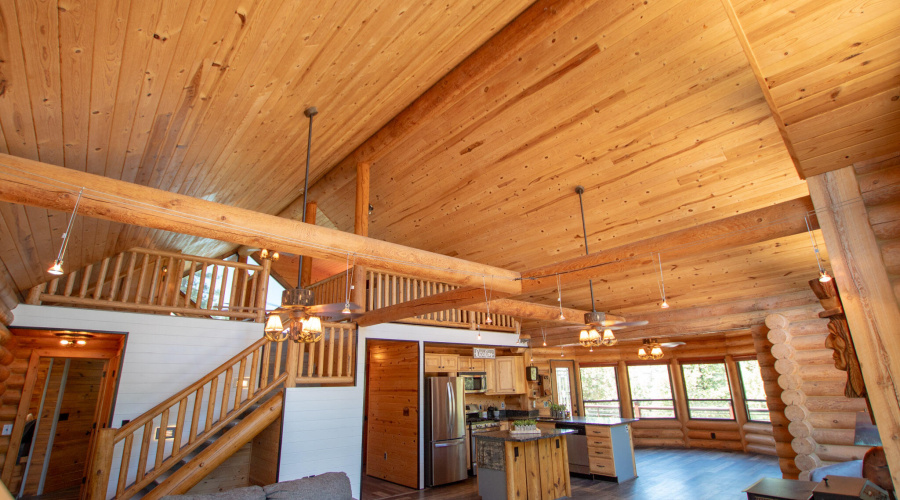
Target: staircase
column 228, row 407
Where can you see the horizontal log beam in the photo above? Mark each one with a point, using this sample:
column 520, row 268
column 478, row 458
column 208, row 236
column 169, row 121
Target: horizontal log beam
column 42, row 185
column 433, row 303
column 776, row 221
column 529, row 310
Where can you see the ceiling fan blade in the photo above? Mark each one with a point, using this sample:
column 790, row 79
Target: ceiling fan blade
column 328, row 308
column 626, row 324
column 669, row 345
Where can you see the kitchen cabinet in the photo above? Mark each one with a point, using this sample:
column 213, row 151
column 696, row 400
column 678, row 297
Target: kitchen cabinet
column 441, row 362
column 470, row 364
column 509, row 374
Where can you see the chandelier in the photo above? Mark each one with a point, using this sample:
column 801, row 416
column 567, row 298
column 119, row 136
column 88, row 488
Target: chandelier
column 650, row 350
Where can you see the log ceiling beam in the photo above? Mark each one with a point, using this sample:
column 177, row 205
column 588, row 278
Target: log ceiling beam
column 47, row 186
column 529, row 310
column 763, row 85
column 527, row 29
column 776, row 221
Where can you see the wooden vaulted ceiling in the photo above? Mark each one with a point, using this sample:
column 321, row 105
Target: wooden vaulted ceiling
column 670, row 114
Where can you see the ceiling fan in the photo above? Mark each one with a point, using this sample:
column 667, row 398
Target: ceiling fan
column 590, row 337
column 298, row 304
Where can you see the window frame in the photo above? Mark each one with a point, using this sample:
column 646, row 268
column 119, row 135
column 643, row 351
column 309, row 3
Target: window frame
column 687, row 398
column 674, row 398
column 615, row 367
column 737, row 365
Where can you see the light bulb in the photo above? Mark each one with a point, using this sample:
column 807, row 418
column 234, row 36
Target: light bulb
column 545, row 343
column 664, row 305
column 561, row 317
column 64, row 342
column 488, row 320
column 81, row 342
column 346, row 309
column 824, row 277
column 56, row 268
column 479, row 334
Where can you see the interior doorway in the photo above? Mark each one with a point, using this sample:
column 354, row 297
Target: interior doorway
column 391, row 428
column 67, row 395
column 565, row 383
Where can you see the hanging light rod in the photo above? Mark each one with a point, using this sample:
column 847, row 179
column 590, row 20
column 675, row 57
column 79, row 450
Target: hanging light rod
column 57, row 269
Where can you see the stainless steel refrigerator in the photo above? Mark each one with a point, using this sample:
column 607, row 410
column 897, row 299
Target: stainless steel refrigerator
column 445, row 430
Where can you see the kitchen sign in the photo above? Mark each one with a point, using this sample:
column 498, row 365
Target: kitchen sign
column 483, row 353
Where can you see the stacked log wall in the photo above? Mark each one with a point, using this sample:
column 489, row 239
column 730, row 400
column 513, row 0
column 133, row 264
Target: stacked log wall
column 822, row 420
column 781, row 435
column 879, row 186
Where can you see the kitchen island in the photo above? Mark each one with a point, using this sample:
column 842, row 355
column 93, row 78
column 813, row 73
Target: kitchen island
column 601, row 446
column 532, row 466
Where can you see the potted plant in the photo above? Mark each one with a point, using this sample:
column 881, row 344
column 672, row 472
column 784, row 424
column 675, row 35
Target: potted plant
column 557, row 411
column 528, row 426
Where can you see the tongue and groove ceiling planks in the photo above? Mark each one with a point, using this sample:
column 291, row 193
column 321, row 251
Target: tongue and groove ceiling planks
column 656, row 108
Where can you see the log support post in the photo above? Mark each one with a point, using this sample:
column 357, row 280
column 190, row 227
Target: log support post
column 624, row 389
column 361, row 227
column 872, row 312
column 98, row 479
column 680, row 395
column 737, row 397
column 306, row 271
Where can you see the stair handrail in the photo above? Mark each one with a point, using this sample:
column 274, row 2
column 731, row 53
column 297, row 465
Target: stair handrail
column 259, row 385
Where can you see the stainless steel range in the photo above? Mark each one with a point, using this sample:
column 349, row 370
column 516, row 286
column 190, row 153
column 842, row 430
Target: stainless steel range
column 477, row 427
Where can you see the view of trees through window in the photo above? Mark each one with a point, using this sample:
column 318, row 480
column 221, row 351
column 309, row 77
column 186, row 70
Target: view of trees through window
column 754, row 392
column 708, row 394
column 563, row 388
column 599, row 391
column 651, row 391
column 211, row 297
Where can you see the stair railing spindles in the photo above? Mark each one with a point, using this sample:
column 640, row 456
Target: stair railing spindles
column 123, row 468
column 211, row 403
column 239, row 386
column 179, row 425
column 161, row 438
column 195, row 415
column 226, row 393
column 210, row 302
column 145, row 450
column 253, row 385
column 201, row 286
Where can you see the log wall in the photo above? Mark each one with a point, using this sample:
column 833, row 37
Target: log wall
column 879, row 186
column 822, row 420
column 781, row 435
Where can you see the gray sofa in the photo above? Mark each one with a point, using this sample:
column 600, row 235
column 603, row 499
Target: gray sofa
column 327, row 486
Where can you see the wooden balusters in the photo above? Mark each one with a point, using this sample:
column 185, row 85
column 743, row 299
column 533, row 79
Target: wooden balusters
column 149, row 430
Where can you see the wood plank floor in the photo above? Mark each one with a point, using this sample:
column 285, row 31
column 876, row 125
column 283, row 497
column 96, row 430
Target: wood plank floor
column 662, row 473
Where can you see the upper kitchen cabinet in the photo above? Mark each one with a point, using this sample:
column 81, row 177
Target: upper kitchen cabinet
column 470, row 364
column 441, row 363
column 507, row 375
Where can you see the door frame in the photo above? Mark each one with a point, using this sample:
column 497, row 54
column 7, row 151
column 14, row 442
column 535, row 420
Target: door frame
column 574, row 383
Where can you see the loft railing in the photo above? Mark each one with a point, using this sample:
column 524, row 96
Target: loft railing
column 389, row 289
column 154, row 281
column 328, row 361
column 331, row 290
column 181, row 423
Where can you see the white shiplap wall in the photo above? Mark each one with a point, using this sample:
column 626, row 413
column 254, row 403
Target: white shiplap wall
column 323, row 425
column 163, row 354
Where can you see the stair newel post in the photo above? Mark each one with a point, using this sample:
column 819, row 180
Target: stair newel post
column 262, row 289
column 98, row 479
column 293, row 359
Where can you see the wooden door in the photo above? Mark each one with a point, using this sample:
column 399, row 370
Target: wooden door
column 392, row 437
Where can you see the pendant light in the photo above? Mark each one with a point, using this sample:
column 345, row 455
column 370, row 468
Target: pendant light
column 592, row 337
column 824, row 277
column 56, row 269
column 662, row 284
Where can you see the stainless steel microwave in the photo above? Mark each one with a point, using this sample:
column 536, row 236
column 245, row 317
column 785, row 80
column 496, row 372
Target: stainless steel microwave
column 474, row 382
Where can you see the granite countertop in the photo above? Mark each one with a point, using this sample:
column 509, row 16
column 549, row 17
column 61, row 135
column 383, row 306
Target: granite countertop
column 506, row 436
column 608, row 421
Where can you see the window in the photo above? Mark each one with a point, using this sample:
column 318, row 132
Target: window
column 600, row 391
column 754, row 391
column 708, row 394
column 651, row 391
column 563, row 387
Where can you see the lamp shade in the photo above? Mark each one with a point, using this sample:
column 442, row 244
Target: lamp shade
column 274, row 324
column 56, row 268
column 312, row 324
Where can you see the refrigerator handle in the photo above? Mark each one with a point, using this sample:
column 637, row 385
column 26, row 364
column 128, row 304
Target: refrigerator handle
column 452, row 418
column 446, row 445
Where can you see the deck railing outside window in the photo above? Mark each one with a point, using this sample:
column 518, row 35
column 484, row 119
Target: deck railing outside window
column 653, row 408
column 602, row 408
column 711, row 408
